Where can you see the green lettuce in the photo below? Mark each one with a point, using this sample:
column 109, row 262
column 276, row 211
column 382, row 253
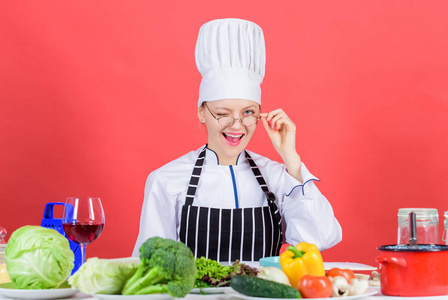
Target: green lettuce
column 104, row 276
column 210, row 273
column 213, row 274
column 38, row 258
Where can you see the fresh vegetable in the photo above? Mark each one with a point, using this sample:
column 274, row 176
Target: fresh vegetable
column 341, row 287
column 167, row 266
column 239, row 268
column 374, row 279
column 213, row 274
column 38, row 258
column 358, row 286
column 347, row 273
column 210, row 272
column 273, row 274
column 259, row 287
column 103, row 276
column 315, row 286
column 300, row 260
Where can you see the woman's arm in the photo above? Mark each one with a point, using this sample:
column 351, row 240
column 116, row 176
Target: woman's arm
column 308, row 214
column 158, row 215
column 282, row 132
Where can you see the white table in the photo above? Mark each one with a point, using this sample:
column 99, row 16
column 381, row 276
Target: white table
column 377, row 296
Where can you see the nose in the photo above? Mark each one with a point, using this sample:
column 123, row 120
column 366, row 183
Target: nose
column 237, row 124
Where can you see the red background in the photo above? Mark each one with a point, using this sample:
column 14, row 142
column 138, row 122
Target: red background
column 96, row 94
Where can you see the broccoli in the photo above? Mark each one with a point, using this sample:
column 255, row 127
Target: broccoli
column 166, row 266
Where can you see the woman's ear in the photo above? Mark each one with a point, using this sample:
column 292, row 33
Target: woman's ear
column 201, row 114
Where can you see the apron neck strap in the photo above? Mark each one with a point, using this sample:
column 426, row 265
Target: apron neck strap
column 269, row 195
column 196, row 174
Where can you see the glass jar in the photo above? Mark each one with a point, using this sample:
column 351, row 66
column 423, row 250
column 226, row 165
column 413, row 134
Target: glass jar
column 4, row 277
column 445, row 230
column 427, row 221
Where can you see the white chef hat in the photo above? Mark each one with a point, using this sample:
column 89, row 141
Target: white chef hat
column 230, row 55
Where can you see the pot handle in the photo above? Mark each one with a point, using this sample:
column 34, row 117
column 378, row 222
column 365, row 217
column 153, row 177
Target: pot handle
column 382, row 259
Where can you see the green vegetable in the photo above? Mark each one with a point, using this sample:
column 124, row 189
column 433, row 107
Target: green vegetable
column 103, row 276
column 166, row 266
column 38, row 258
column 210, row 272
column 259, row 287
column 242, row 269
column 213, row 274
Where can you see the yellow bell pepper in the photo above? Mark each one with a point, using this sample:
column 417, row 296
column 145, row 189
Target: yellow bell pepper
column 304, row 258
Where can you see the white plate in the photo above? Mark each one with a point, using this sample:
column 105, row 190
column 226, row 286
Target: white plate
column 11, row 291
column 210, row 290
column 369, row 292
column 349, row 265
column 133, row 297
column 274, row 261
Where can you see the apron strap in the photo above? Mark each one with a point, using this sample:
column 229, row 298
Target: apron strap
column 269, row 195
column 194, row 180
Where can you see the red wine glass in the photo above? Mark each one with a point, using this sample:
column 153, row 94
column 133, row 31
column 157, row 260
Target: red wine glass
column 83, row 221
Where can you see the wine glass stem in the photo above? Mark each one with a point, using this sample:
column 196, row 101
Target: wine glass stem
column 83, row 253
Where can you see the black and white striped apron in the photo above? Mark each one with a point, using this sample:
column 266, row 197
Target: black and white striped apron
column 246, row 234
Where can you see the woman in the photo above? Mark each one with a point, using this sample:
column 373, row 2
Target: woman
column 223, row 201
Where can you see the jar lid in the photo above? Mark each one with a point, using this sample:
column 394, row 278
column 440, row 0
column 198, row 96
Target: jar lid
column 419, row 212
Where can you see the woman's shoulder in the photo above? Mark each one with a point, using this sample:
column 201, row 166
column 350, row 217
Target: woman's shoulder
column 263, row 161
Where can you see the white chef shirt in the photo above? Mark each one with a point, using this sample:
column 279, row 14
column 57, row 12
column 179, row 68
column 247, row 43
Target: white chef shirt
column 306, row 212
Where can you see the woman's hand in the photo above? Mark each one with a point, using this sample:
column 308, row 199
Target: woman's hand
column 282, row 132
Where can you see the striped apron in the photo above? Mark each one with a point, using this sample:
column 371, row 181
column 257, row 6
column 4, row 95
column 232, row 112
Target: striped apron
column 246, row 234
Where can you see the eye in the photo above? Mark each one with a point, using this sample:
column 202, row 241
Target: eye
column 249, row 112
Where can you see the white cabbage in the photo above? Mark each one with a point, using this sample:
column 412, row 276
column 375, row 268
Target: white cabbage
column 104, row 276
column 38, row 258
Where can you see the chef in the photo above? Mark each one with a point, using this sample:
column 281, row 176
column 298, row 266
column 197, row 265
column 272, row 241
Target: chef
column 222, row 200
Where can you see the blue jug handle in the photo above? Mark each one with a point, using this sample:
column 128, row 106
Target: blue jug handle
column 48, row 212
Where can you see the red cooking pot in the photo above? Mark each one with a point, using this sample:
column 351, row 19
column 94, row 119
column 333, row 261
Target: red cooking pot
column 413, row 270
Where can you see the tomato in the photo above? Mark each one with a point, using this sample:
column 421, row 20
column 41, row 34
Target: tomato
column 346, row 273
column 315, row 286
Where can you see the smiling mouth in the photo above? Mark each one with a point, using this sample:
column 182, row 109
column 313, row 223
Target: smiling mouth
column 233, row 138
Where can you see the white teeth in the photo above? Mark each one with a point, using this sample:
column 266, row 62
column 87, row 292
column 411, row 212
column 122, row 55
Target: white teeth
column 234, row 136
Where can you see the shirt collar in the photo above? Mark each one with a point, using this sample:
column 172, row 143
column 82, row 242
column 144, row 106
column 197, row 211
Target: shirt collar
column 211, row 158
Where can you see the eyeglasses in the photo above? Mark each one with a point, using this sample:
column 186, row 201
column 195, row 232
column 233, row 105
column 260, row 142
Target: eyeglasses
column 228, row 120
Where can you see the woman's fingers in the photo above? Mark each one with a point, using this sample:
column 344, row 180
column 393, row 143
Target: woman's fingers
column 266, row 126
column 277, row 118
column 271, row 114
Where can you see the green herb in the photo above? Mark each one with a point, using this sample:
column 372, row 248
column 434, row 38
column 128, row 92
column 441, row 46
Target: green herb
column 213, row 274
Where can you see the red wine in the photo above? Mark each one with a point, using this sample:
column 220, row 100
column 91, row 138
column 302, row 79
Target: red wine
column 83, row 233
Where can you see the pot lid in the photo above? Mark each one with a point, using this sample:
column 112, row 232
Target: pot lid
column 414, row 248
